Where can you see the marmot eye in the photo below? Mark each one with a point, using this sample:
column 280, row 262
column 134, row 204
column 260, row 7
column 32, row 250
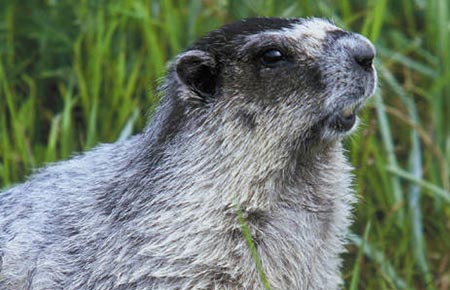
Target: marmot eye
column 272, row 56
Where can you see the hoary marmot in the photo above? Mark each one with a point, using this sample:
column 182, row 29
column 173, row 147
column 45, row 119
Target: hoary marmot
column 252, row 118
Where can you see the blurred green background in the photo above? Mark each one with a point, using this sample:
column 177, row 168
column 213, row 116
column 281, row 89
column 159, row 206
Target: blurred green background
column 76, row 73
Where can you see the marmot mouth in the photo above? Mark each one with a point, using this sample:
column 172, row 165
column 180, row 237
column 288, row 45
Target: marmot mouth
column 343, row 122
column 345, row 119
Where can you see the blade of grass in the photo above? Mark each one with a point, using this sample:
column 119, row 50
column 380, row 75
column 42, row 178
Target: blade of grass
column 408, row 62
column 172, row 24
column 10, row 27
column 7, row 166
column 67, row 146
column 372, row 253
column 251, row 246
column 444, row 50
column 415, row 157
column 50, row 154
column 128, row 128
column 379, row 15
column 392, row 159
column 17, row 134
column 436, row 190
column 357, row 268
column 414, row 199
column 346, row 10
column 415, row 210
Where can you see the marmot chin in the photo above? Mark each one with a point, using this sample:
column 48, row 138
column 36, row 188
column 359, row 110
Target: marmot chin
column 252, row 117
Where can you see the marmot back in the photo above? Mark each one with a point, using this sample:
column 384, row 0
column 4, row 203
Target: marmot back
column 252, row 117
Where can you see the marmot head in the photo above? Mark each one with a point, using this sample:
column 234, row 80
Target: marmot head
column 299, row 79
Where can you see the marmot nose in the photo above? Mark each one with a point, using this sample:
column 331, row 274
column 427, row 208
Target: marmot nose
column 363, row 52
column 364, row 57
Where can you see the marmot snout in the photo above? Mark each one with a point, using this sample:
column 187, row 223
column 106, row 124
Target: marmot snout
column 252, row 117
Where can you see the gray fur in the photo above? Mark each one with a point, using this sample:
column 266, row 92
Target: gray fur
column 157, row 211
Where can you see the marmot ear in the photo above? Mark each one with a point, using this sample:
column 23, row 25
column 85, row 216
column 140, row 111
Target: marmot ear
column 198, row 71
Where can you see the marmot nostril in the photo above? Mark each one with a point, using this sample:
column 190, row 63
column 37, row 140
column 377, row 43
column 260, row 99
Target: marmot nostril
column 365, row 61
column 364, row 56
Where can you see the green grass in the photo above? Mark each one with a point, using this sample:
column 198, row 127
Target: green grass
column 76, row 73
column 245, row 229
